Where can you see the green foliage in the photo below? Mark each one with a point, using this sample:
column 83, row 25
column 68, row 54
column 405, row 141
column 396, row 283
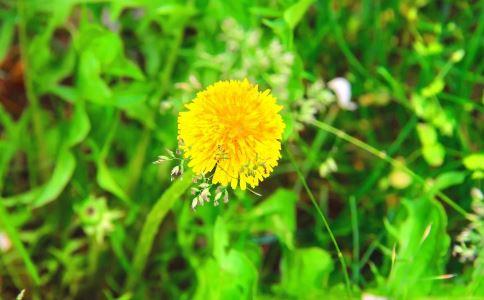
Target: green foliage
column 421, row 250
column 90, row 92
column 305, row 273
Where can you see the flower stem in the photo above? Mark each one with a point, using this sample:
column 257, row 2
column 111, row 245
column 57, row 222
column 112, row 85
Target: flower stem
column 152, row 224
column 325, row 221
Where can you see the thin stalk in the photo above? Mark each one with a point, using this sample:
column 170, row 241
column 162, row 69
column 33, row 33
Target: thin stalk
column 152, row 224
column 314, row 150
column 397, row 164
column 356, row 241
column 325, row 221
column 31, row 96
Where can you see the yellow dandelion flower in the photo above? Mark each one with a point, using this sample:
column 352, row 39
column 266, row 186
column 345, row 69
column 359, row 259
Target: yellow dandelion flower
column 234, row 130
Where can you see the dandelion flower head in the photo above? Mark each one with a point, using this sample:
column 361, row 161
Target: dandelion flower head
column 233, row 130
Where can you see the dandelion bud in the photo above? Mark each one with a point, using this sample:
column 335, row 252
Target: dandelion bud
column 205, row 195
column 176, row 172
column 161, row 159
column 194, row 202
column 218, row 195
column 226, row 197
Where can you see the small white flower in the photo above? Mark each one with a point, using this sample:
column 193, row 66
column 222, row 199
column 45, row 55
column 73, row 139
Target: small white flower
column 372, row 297
column 5, row 243
column 342, row 88
column 477, row 194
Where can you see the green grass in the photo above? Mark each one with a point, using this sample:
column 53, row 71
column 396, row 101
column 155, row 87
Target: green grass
column 383, row 200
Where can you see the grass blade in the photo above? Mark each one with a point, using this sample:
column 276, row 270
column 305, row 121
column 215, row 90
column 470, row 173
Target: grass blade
column 17, row 243
column 325, row 222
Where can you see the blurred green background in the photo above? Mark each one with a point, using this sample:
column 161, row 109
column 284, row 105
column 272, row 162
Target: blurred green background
column 90, row 92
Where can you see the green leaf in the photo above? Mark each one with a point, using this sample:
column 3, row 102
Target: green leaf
column 427, row 134
column 6, row 35
column 64, row 168
column 434, row 88
column 176, row 9
column 295, row 12
column 421, row 251
column 305, row 273
column 80, row 125
column 107, row 182
column 91, row 85
column 152, row 224
column 446, row 180
column 474, row 161
column 432, row 151
column 277, row 214
column 14, row 236
column 220, row 238
column 434, row 154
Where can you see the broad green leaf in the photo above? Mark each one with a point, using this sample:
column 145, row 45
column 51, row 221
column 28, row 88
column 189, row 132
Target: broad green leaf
column 432, row 151
column 220, row 238
column 234, row 274
column 91, row 85
column 295, row 12
column 433, row 88
column 474, row 161
column 107, row 182
column 176, row 9
column 80, row 125
column 446, row 180
column 422, row 249
column 64, row 168
column 434, row 154
column 6, row 34
column 277, row 214
column 427, row 134
column 305, row 273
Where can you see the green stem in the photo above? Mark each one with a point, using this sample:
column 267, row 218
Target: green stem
column 325, row 221
column 31, row 96
column 152, row 224
column 314, row 150
column 397, row 164
column 356, row 241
